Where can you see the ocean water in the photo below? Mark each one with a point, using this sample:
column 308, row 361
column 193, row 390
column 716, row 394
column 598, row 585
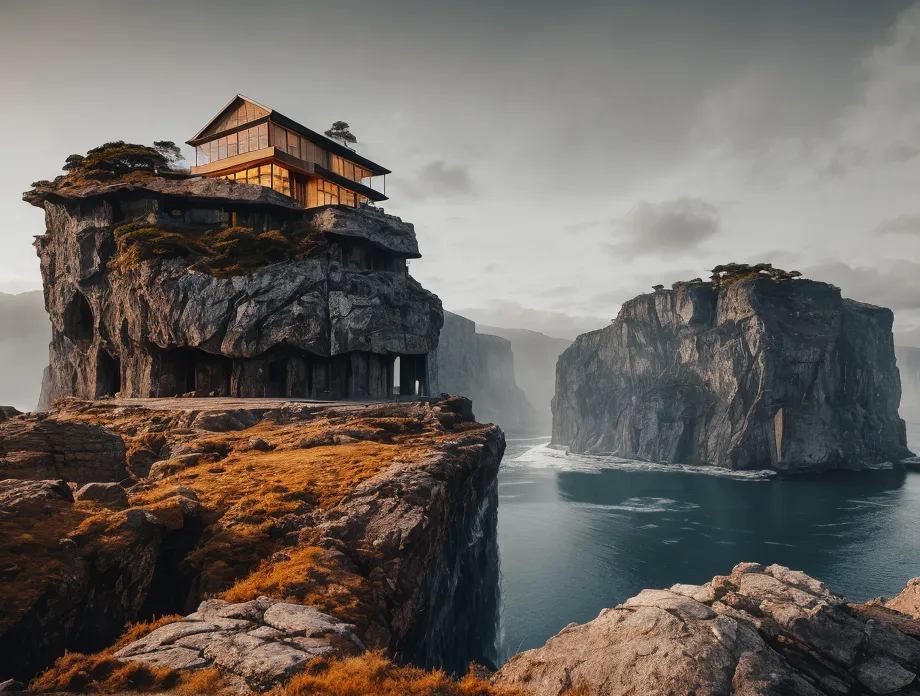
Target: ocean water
column 577, row 534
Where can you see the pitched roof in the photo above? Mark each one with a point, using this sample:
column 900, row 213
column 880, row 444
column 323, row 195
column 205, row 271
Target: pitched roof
column 253, row 111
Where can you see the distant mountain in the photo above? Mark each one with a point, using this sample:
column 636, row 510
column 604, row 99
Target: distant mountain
column 482, row 367
column 535, row 357
column 24, row 336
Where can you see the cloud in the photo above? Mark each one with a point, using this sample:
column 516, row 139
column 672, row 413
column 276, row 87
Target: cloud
column 883, row 125
column 438, row 179
column 902, row 224
column 666, row 228
column 896, row 285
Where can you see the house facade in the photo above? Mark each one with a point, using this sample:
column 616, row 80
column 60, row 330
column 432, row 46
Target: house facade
column 252, row 143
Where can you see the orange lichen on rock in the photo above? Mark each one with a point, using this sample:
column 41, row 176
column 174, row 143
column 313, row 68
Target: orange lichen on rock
column 372, row 673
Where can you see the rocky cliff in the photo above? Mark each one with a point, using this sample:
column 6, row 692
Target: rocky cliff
column 482, row 367
column 161, row 287
column 758, row 373
column 376, row 522
column 909, row 368
column 535, row 356
column 24, row 335
column 761, row 631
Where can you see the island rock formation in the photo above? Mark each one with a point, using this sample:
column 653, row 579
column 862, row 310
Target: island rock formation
column 482, row 368
column 759, row 372
column 761, row 631
column 161, row 287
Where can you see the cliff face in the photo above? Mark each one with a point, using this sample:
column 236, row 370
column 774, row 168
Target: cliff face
column 325, row 318
column 380, row 516
column 759, row 374
column 24, row 335
column 909, row 368
column 768, row 631
column 535, row 356
column 481, row 367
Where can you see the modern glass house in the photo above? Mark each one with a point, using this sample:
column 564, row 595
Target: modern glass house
column 254, row 144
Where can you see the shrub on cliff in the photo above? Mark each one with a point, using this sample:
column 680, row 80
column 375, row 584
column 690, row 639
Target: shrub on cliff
column 222, row 252
column 113, row 160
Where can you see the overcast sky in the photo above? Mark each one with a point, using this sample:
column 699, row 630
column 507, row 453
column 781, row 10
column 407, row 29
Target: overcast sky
column 556, row 158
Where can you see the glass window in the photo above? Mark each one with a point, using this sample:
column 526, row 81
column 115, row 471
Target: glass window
column 253, row 139
column 348, row 197
column 243, row 142
column 232, row 145
column 202, row 154
column 213, row 146
column 265, row 174
column 263, row 135
column 222, row 148
column 293, row 141
column 279, row 137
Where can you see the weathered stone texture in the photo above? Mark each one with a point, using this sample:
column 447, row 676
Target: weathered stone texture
column 262, row 642
column 326, row 326
column 759, row 631
column 32, row 447
column 756, row 375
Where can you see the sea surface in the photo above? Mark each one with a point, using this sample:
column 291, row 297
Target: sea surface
column 580, row 533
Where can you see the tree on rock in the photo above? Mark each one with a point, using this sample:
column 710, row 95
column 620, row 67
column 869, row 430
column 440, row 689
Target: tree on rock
column 340, row 131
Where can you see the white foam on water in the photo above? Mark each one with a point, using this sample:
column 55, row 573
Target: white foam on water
column 642, row 505
column 545, row 457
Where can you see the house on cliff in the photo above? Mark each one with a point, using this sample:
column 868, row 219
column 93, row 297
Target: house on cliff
column 251, row 143
column 267, row 273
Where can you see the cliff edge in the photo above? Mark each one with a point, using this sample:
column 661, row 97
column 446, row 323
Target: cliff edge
column 310, row 530
column 757, row 373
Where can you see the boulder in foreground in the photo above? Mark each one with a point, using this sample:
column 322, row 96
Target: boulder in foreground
column 768, row 631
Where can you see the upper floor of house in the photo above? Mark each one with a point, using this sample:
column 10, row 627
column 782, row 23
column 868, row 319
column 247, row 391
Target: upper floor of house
column 251, row 143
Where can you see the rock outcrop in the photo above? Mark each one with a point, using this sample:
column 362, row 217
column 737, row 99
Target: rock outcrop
column 383, row 516
column 754, row 374
column 34, row 447
column 481, row 367
column 312, row 303
column 759, row 631
column 258, row 644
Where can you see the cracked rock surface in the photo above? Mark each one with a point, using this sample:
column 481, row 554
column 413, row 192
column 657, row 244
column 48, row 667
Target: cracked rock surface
column 768, row 631
column 758, row 374
column 262, row 642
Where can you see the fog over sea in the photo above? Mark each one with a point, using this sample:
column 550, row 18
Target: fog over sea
column 580, row 533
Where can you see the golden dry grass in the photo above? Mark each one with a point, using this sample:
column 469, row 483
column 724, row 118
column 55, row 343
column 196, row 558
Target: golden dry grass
column 311, row 575
column 76, row 672
column 256, row 508
column 372, row 673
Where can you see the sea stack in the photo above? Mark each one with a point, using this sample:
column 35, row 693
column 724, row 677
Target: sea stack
column 755, row 369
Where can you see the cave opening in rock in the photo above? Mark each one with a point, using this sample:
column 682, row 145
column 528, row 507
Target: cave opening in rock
column 108, row 375
column 277, row 378
column 187, row 370
column 78, row 319
column 413, row 375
